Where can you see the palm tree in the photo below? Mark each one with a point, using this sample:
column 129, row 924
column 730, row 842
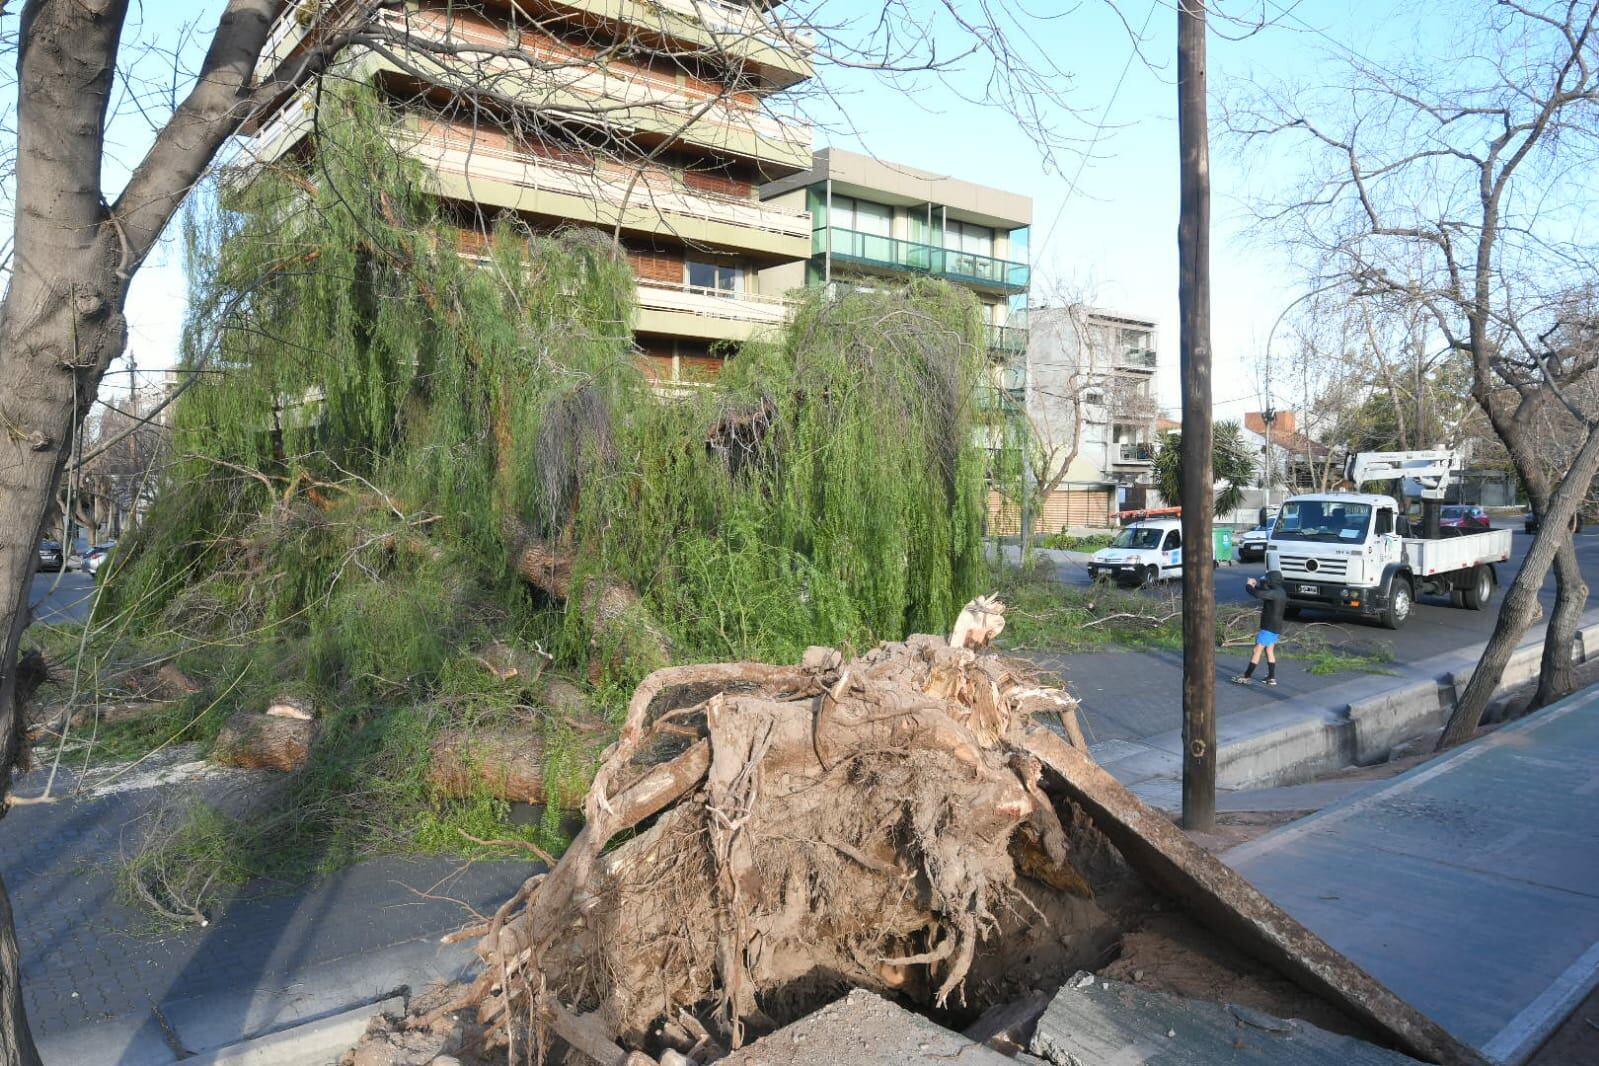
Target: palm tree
column 1231, row 464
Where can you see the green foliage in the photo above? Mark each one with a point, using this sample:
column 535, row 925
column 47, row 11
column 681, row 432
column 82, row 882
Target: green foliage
column 378, row 408
column 1066, row 542
column 1232, row 466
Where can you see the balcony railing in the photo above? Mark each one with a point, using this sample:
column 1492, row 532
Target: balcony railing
column 891, row 253
column 1135, row 454
column 554, row 76
column 1011, row 339
column 1138, row 359
column 742, row 21
column 739, row 306
column 653, row 190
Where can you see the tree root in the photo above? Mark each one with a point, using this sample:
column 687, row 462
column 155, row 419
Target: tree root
column 867, row 823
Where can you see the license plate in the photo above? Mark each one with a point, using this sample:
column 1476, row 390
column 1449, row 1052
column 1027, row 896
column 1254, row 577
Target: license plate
column 1307, row 590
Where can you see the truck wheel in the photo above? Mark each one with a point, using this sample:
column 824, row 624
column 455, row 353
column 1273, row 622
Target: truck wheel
column 1151, row 577
column 1400, row 601
column 1475, row 597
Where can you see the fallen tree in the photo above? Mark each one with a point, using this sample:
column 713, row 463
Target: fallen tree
column 763, row 837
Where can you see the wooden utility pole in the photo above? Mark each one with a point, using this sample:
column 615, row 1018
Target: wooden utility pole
column 1193, row 298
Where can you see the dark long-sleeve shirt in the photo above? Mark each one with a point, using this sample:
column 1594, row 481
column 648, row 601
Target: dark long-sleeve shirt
column 1273, row 599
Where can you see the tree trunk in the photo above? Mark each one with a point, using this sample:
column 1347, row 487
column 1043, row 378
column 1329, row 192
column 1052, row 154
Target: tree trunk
column 62, row 323
column 1555, row 677
column 16, row 1042
column 1521, row 602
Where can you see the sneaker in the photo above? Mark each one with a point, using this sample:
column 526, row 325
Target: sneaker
column 1243, row 679
column 1269, row 681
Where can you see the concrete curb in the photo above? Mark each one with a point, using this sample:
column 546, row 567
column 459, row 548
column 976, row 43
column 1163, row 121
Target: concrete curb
column 1360, row 725
column 321, row 1041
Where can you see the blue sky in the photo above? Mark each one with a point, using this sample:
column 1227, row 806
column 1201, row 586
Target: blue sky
column 1110, row 236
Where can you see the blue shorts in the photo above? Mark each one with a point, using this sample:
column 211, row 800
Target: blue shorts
column 1265, row 638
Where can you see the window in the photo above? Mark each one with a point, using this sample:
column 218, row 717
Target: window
column 1174, row 540
column 1385, row 522
column 1325, row 520
column 715, row 279
column 863, row 216
column 965, row 237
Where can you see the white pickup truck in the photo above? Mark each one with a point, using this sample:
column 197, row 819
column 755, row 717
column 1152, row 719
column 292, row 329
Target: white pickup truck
column 1349, row 552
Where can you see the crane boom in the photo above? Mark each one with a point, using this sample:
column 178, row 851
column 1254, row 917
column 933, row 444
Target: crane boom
column 1432, row 470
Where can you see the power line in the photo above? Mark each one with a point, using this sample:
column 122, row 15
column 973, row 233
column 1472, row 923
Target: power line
column 1099, row 127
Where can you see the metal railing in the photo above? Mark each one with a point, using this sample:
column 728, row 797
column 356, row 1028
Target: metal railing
column 871, row 249
column 1135, row 454
column 1007, row 339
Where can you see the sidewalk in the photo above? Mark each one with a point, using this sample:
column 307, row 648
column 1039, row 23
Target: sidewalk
column 1469, row 885
column 1266, row 737
column 98, row 989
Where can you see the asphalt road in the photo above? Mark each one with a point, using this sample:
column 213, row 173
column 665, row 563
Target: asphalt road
column 65, row 600
column 1132, row 695
column 1434, row 628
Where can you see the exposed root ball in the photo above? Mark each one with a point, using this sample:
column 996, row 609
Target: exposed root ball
column 796, row 829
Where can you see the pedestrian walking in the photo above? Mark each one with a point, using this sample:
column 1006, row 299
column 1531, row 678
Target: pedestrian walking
column 1273, row 600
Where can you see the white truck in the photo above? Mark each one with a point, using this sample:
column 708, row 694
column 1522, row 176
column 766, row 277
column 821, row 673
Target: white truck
column 1354, row 553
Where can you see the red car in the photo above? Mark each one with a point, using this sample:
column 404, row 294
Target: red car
column 1464, row 517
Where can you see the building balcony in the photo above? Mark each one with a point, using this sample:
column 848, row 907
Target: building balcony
column 684, row 311
column 890, row 254
column 779, row 53
column 1134, row 454
column 615, row 96
column 1007, row 340
column 650, row 201
column 774, row 51
column 1143, row 359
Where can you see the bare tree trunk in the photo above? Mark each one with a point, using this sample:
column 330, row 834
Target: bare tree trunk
column 1521, row 602
column 62, row 323
column 1555, row 677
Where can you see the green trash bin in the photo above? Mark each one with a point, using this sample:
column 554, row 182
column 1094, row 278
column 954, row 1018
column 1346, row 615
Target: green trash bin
column 1222, row 538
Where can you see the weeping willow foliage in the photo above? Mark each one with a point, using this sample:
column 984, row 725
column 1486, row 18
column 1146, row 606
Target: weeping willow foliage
column 375, row 405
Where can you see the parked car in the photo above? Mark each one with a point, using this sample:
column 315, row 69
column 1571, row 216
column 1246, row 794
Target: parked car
column 1142, row 554
column 77, row 553
column 1465, row 517
column 1251, row 544
column 97, row 555
column 1529, row 522
column 50, row 556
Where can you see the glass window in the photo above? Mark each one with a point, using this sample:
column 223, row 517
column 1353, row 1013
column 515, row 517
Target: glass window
column 965, row 237
column 1325, row 520
column 1385, row 521
column 1137, row 537
column 863, row 216
column 1174, row 540
column 716, row 279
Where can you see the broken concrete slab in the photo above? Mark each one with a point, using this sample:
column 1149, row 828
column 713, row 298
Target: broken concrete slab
column 1232, row 908
column 1092, row 1022
column 864, row 1028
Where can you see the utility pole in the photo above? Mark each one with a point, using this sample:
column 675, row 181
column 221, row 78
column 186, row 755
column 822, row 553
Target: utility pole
column 1268, row 417
column 1193, row 298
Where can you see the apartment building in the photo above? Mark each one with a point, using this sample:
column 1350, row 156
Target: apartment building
column 651, row 119
column 1090, row 379
column 874, row 220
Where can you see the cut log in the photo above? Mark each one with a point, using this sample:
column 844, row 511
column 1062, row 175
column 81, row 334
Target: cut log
column 505, row 761
column 616, row 616
column 173, row 684
column 259, row 742
column 296, row 707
